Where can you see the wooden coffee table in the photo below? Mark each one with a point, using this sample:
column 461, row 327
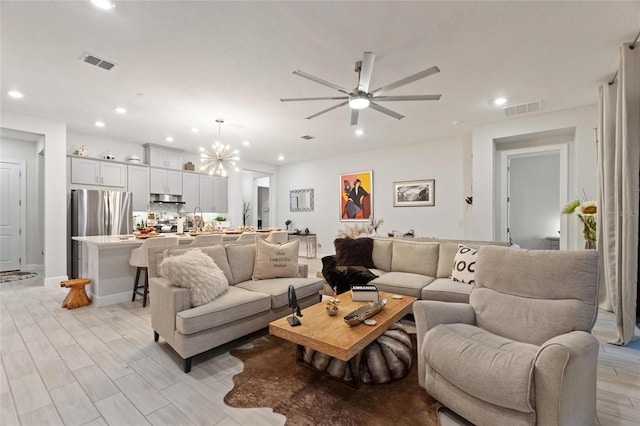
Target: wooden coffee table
column 334, row 337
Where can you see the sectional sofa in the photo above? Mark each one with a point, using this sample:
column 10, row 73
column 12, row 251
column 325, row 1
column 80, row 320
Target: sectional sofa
column 248, row 305
column 418, row 267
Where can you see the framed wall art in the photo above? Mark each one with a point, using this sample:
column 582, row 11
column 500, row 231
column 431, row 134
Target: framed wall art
column 356, row 196
column 414, row 193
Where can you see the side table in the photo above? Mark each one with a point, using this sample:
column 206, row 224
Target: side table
column 311, row 242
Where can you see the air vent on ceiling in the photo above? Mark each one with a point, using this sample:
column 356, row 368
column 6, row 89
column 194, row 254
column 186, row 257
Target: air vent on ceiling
column 307, row 137
column 512, row 110
column 99, row 62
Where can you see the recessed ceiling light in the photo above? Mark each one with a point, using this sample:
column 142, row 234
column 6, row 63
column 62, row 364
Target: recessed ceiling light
column 103, row 4
column 195, row 129
column 169, row 139
column 359, row 132
column 121, row 110
column 281, row 157
column 500, row 101
column 99, row 124
column 246, row 143
column 456, row 122
column 15, row 94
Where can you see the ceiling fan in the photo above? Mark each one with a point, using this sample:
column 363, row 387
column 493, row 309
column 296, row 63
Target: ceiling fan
column 360, row 97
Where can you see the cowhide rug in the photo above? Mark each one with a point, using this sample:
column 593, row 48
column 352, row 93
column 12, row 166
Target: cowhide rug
column 9, row 276
column 272, row 378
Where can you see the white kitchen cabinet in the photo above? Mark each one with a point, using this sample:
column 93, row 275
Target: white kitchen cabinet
column 220, row 194
column 163, row 181
column 159, row 156
column 206, row 194
column 138, row 184
column 86, row 171
column 190, row 191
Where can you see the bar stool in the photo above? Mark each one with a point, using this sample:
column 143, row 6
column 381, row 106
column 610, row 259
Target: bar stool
column 206, row 240
column 278, row 237
column 140, row 260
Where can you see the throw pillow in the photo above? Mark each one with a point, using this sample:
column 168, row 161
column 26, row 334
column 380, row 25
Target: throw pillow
column 354, row 252
column 464, row 265
column 275, row 260
column 197, row 272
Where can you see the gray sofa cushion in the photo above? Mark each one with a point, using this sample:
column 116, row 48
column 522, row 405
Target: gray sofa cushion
column 234, row 304
column 402, row 283
column 382, row 250
column 469, row 356
column 446, row 290
column 535, row 306
column 242, row 258
column 414, row 257
column 278, row 288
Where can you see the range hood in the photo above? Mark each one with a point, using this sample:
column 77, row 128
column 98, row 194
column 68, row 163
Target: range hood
column 166, row 199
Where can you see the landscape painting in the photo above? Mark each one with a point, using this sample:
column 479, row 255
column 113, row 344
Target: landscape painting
column 414, row 193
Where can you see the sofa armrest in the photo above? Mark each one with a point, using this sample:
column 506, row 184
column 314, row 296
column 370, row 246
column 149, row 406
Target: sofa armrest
column 168, row 300
column 429, row 313
column 565, row 379
column 303, row 270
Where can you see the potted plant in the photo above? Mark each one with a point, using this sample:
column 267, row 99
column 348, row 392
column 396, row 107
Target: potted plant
column 246, row 209
column 221, row 222
column 287, row 223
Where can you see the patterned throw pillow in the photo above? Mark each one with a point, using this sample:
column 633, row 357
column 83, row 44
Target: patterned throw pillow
column 275, row 260
column 464, row 265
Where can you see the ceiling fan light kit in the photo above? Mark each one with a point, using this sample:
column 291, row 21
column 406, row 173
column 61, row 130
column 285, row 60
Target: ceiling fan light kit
column 360, row 97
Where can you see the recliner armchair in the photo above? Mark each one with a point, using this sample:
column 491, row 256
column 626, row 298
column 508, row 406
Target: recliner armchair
column 521, row 352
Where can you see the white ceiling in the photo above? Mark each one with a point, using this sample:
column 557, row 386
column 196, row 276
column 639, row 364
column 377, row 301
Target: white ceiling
column 184, row 64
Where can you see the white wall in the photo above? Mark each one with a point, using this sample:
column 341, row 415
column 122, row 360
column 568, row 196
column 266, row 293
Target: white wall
column 443, row 160
column 55, row 222
column 27, row 151
column 582, row 163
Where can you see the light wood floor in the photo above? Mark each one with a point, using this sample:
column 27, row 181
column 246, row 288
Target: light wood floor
column 100, row 366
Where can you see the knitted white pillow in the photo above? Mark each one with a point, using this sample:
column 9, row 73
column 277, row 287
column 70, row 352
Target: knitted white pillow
column 198, row 272
column 464, row 265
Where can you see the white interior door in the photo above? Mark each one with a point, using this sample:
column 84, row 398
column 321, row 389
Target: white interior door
column 10, row 242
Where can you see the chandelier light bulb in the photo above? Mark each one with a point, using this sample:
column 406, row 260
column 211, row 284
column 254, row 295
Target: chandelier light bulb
column 221, row 157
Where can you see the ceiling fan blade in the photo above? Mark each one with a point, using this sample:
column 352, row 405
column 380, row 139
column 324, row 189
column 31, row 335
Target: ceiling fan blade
column 406, row 80
column 326, row 98
column 386, row 111
column 327, row 110
column 408, row 98
column 321, row 81
column 354, row 116
column 366, row 70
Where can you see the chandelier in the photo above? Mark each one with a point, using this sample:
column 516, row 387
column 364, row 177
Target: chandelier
column 222, row 158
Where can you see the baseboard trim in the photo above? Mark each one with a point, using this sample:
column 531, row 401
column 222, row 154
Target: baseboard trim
column 54, row 282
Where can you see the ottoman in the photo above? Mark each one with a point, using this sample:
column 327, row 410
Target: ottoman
column 385, row 360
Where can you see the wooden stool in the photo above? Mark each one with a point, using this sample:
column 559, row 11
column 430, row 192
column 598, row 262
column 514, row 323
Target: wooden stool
column 77, row 296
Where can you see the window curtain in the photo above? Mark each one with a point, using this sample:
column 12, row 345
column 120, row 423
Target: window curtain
column 619, row 192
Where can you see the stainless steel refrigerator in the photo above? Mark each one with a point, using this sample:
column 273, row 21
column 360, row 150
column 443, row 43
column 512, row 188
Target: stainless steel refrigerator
column 96, row 212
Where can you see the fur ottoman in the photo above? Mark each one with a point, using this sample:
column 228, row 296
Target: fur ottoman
column 383, row 361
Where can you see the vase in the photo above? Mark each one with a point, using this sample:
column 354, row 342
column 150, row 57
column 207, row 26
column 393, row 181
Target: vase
column 590, row 245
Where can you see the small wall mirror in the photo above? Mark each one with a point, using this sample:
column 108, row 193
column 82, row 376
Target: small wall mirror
column 301, row 200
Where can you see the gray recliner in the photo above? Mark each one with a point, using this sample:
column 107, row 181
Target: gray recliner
column 521, row 352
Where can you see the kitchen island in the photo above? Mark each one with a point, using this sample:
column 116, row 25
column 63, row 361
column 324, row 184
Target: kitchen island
column 105, row 261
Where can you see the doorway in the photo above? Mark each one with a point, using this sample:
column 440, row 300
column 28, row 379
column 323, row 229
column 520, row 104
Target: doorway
column 533, row 193
column 11, row 214
column 256, row 199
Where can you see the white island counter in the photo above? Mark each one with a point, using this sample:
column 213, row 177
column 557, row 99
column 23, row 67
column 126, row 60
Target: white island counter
column 105, row 261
